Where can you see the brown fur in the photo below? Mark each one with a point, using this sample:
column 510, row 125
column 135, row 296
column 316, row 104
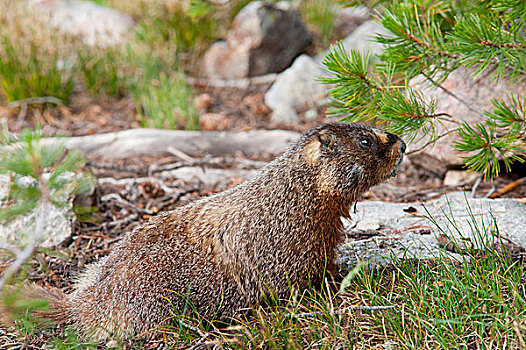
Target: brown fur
column 227, row 251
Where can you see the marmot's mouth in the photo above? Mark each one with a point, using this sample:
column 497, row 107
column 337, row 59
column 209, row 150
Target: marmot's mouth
column 396, row 166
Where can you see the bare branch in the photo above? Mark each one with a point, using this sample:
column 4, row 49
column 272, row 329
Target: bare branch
column 35, row 100
column 433, row 140
column 134, row 181
column 458, row 98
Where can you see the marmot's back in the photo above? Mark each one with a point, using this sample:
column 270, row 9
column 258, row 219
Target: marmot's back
column 224, row 252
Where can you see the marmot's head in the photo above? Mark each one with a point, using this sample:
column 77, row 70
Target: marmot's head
column 351, row 157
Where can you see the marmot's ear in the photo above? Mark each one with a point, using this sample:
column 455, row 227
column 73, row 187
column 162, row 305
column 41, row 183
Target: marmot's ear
column 328, row 141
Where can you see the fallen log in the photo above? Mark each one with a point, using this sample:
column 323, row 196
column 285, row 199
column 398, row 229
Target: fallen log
column 136, row 142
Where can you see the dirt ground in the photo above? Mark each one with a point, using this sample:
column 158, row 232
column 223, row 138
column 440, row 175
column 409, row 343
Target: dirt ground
column 126, row 204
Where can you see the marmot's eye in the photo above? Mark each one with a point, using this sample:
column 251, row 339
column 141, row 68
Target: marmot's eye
column 366, row 143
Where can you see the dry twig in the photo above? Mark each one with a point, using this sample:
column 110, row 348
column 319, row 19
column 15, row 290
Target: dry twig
column 133, row 181
column 509, row 187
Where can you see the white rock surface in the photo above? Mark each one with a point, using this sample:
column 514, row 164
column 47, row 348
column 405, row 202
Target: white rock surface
column 361, row 39
column 97, row 25
column 57, row 226
column 384, row 231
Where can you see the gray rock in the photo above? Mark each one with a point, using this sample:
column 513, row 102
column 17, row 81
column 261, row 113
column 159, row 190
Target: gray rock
column 459, row 178
column 361, row 39
column 285, row 114
column 293, row 88
column 348, row 19
column 95, row 24
column 263, row 39
column 18, row 231
column 477, row 92
column 381, row 232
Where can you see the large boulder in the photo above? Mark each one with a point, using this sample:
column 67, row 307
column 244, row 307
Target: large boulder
column 477, row 92
column 263, row 39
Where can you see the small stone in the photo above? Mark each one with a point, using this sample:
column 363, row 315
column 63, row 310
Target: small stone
column 214, row 121
column 285, row 115
column 458, row 178
column 203, row 102
column 365, row 225
column 311, row 114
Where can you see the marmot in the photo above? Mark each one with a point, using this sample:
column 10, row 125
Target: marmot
column 227, row 251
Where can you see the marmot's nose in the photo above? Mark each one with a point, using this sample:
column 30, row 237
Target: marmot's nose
column 401, row 147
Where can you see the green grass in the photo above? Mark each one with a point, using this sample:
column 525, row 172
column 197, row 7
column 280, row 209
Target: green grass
column 172, row 27
column 71, row 341
column 102, row 71
column 478, row 302
column 166, row 41
column 28, row 69
column 166, row 102
column 446, row 306
column 167, row 33
column 437, row 305
column 319, row 16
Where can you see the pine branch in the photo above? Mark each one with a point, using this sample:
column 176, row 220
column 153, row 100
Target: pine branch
column 432, row 116
column 484, row 41
column 433, row 38
column 418, row 44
